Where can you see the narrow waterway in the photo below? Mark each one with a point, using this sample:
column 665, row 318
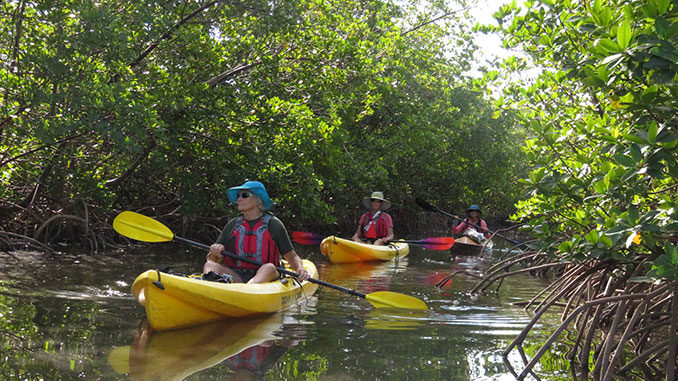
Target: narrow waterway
column 73, row 317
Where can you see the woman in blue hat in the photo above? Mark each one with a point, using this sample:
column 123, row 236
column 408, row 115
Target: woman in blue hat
column 473, row 222
column 255, row 234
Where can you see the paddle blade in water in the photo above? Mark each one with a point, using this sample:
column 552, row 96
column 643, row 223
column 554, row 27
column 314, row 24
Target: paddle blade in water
column 119, row 359
column 307, row 238
column 141, row 228
column 387, row 299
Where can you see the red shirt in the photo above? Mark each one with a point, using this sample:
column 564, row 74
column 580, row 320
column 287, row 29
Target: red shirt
column 384, row 222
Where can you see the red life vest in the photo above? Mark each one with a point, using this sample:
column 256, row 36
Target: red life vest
column 372, row 227
column 250, row 359
column 253, row 243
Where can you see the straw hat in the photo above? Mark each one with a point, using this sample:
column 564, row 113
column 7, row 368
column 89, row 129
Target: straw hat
column 385, row 204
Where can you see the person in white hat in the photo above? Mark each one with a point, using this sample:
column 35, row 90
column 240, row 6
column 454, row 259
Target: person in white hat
column 255, row 234
column 375, row 226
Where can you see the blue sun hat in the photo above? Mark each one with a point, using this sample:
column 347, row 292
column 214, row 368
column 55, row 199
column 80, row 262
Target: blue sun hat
column 255, row 187
column 474, row 207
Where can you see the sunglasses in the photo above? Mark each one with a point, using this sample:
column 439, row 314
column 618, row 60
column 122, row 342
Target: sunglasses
column 244, row 194
column 375, row 199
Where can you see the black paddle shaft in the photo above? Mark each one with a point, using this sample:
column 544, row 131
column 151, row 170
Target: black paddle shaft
column 280, row 269
column 429, row 207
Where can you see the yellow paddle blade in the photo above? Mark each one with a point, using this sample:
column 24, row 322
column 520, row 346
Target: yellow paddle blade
column 381, row 299
column 119, row 359
column 142, row 228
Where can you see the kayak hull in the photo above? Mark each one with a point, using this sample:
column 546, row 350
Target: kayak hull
column 173, row 301
column 339, row 250
column 468, row 247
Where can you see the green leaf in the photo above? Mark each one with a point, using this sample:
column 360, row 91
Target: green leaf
column 624, row 34
column 635, row 139
column 565, row 246
column 635, row 153
column 600, row 186
column 650, row 10
column 605, row 240
column 649, row 94
column 592, row 236
column 661, row 5
column 656, row 63
column 606, row 46
column 666, row 51
column 661, row 26
column 650, row 228
column 649, row 216
column 671, row 253
column 603, row 74
column 633, row 214
column 652, row 132
column 624, row 160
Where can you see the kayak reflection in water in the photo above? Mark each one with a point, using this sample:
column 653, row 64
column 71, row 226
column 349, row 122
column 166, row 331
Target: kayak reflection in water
column 254, row 362
column 375, row 226
column 249, row 348
column 255, row 234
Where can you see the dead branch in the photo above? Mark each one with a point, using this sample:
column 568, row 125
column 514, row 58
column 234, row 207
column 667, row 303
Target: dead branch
column 18, row 239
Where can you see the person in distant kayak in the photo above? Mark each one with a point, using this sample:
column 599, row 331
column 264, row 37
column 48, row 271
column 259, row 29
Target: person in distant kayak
column 472, row 225
column 256, row 234
column 375, row 226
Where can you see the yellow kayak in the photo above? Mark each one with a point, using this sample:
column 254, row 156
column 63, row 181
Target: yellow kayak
column 173, row 301
column 340, row 250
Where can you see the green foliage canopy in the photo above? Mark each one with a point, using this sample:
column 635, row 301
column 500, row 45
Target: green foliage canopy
column 161, row 106
column 603, row 119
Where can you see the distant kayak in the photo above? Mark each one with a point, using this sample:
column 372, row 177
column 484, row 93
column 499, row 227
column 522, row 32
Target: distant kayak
column 173, row 301
column 340, row 250
column 466, row 246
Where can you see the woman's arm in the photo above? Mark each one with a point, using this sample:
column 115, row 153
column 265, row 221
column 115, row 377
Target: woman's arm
column 387, row 239
column 459, row 228
column 483, row 226
column 298, row 266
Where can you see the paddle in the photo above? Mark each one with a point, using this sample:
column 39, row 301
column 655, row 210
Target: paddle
column 433, row 243
column 142, row 228
column 431, row 208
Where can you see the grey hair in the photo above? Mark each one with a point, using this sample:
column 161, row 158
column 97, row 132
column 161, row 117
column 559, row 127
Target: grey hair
column 260, row 203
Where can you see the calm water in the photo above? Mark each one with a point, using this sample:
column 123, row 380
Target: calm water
column 73, row 317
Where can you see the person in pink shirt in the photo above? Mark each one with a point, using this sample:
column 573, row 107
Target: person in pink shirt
column 473, row 222
column 375, row 226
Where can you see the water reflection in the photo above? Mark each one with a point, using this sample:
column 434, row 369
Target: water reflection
column 247, row 347
column 63, row 318
column 373, row 271
column 395, row 319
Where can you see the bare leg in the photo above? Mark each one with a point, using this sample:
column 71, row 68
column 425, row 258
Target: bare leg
column 266, row 273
